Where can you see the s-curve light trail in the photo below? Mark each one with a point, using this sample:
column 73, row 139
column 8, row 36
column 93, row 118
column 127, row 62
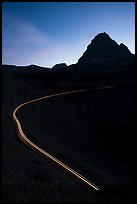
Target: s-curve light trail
column 24, row 139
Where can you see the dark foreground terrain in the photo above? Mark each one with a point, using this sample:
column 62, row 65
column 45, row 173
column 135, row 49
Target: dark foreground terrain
column 93, row 132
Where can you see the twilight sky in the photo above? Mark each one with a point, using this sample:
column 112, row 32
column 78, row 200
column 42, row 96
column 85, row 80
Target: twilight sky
column 47, row 33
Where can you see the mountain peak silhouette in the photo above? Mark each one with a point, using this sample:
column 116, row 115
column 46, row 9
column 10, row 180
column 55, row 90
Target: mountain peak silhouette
column 103, row 49
column 102, row 35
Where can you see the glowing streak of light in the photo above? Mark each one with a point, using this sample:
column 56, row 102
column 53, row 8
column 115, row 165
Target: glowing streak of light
column 23, row 137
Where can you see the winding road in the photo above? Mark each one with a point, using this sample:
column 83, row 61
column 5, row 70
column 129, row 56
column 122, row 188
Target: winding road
column 25, row 139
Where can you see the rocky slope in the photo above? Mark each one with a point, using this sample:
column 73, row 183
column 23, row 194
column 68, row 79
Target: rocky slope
column 104, row 50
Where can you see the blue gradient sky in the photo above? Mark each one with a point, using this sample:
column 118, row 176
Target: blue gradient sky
column 47, row 33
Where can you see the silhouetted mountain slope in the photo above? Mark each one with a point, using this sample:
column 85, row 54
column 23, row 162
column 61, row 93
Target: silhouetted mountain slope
column 30, row 69
column 104, row 50
column 101, row 54
column 59, row 66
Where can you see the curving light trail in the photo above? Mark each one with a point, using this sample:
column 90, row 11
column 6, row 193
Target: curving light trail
column 24, row 139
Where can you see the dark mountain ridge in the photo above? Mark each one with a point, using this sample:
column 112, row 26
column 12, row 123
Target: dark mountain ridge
column 29, row 69
column 101, row 52
column 104, row 50
column 59, row 66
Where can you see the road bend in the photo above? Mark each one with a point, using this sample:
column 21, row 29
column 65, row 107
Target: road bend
column 25, row 139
